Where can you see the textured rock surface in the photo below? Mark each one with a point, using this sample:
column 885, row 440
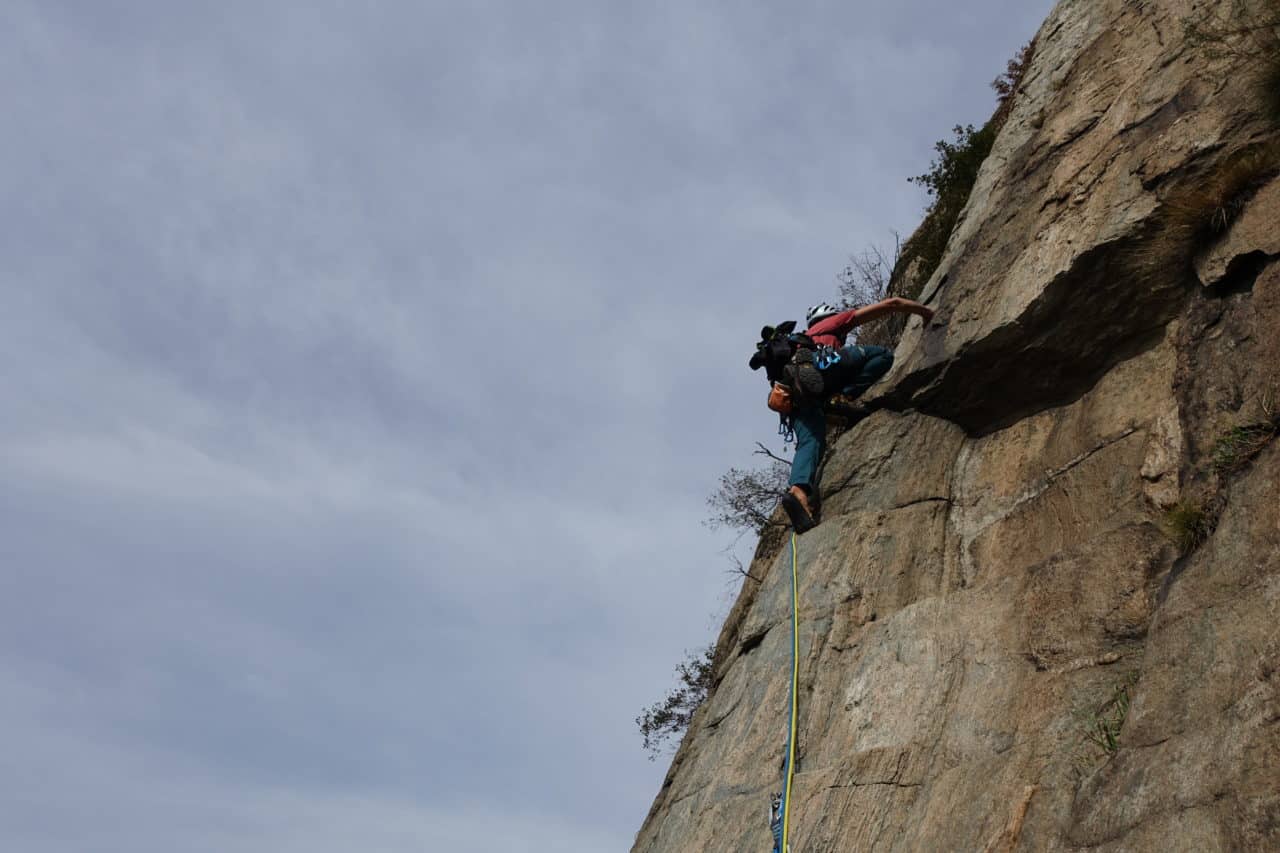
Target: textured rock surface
column 1252, row 242
column 992, row 564
column 1038, row 294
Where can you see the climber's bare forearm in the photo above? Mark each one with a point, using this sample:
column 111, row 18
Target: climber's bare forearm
column 892, row 305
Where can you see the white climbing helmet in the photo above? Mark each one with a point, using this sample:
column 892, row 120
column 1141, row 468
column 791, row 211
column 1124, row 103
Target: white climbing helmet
column 820, row 312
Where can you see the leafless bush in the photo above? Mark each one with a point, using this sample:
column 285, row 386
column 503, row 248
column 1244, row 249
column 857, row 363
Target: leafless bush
column 865, row 278
column 868, row 278
column 746, row 497
column 669, row 718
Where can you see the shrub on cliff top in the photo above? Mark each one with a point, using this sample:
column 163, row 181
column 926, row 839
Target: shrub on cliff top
column 949, row 182
column 1006, row 85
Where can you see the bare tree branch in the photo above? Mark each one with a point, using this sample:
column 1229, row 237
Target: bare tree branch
column 745, row 499
column 865, row 279
column 665, row 720
column 868, row 278
column 738, row 568
column 764, row 451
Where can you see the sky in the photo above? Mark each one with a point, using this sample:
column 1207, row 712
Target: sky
column 364, row 371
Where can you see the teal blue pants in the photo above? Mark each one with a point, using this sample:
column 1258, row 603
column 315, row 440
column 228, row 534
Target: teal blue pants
column 857, row 370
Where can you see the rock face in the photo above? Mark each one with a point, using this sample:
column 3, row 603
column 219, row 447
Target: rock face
column 993, row 586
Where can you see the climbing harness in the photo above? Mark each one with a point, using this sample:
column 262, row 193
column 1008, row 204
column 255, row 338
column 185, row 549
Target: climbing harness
column 780, row 804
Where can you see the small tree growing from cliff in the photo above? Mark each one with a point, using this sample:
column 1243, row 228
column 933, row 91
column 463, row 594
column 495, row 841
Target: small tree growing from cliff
column 949, row 181
column 669, row 718
column 746, row 497
column 1006, row 85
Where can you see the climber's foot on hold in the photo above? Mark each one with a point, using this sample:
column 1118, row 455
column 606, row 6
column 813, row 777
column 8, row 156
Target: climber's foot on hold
column 796, row 503
column 851, row 412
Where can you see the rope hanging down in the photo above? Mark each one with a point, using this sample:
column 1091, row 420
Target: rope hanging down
column 780, row 817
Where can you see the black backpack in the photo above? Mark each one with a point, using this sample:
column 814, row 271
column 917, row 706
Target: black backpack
column 788, row 357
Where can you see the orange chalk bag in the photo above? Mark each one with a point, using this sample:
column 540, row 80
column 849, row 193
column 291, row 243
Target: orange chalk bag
column 780, row 399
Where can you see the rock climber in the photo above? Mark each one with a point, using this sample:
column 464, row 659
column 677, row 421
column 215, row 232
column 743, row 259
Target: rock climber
column 806, row 370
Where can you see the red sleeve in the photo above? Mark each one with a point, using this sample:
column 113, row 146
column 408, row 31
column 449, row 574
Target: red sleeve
column 837, row 324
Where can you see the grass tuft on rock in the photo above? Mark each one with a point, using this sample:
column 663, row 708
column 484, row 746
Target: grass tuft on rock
column 1202, row 210
column 1099, row 726
column 1188, row 524
column 1238, row 445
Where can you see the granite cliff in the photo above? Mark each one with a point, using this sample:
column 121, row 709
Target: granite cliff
column 1042, row 609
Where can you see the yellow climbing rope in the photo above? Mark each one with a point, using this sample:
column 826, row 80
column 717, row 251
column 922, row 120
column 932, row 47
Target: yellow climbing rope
column 791, row 736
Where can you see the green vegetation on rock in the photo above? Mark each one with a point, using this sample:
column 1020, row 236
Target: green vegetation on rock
column 669, row 718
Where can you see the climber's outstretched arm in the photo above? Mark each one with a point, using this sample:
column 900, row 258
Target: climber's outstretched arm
column 892, row 305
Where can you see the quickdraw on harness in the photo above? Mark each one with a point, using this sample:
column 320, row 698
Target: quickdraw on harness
column 826, row 356
column 780, row 803
column 786, row 429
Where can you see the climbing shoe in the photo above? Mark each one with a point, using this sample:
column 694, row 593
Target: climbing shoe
column 797, row 509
